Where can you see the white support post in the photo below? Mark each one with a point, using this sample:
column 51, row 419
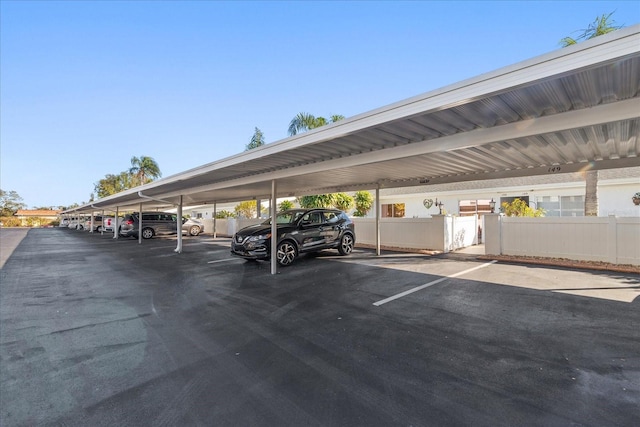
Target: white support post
column 215, row 214
column 102, row 226
column 274, row 229
column 140, row 224
column 378, row 208
column 116, row 232
column 179, row 225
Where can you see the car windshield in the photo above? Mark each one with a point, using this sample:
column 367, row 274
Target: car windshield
column 286, row 217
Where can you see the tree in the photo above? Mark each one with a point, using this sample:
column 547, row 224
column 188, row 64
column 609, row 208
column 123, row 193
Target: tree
column 316, row 201
column 247, row 209
column 603, row 24
column 363, row 201
column 144, row 169
column 285, row 205
column 224, row 214
column 257, row 140
column 519, row 207
column 10, row 203
column 305, row 121
column 112, row 184
column 342, row 201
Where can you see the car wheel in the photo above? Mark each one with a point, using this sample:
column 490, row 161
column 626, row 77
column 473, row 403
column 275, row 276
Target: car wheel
column 286, row 253
column 346, row 244
column 194, row 230
column 147, row 233
column 99, row 229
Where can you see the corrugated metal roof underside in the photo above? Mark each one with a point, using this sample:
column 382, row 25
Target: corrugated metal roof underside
column 369, row 156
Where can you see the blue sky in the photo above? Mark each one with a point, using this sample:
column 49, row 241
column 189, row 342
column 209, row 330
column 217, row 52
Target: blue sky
column 84, row 86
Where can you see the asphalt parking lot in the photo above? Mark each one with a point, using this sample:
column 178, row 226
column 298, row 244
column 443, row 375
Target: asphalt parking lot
column 96, row 331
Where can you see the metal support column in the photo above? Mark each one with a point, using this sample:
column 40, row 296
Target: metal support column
column 215, row 214
column 274, row 229
column 378, row 208
column 178, row 248
column 116, row 232
column 140, row 224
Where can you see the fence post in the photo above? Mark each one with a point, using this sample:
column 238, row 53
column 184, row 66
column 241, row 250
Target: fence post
column 612, row 240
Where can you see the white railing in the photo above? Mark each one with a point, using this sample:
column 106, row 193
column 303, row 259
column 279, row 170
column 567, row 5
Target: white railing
column 606, row 239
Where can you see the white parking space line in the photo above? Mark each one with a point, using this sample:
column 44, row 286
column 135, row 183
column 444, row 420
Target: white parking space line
column 426, row 285
column 223, row 260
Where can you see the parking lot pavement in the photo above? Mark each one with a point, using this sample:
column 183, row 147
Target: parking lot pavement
column 96, row 331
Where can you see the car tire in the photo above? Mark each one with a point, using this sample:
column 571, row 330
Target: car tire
column 194, row 230
column 99, row 229
column 286, row 253
column 346, row 244
column 147, row 233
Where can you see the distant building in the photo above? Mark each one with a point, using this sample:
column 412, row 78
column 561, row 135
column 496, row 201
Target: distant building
column 36, row 217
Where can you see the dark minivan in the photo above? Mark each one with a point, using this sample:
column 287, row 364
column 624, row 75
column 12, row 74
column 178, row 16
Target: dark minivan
column 153, row 224
column 299, row 231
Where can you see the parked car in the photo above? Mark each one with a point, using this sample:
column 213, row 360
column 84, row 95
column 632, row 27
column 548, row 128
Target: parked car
column 192, row 226
column 97, row 223
column 75, row 224
column 108, row 222
column 153, row 224
column 299, row 231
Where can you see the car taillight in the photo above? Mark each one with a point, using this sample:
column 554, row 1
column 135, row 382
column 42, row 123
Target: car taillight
column 129, row 222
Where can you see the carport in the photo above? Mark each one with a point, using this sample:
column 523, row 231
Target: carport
column 573, row 109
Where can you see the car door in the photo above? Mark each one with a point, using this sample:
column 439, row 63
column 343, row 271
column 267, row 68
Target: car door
column 310, row 229
column 330, row 228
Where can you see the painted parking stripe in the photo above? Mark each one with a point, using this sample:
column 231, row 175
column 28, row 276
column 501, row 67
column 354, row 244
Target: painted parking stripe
column 426, row 285
column 223, row 260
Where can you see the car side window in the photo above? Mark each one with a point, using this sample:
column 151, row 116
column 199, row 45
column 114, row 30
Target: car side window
column 312, row 218
column 331, row 217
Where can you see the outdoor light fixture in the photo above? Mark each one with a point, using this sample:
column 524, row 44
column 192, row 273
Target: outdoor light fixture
column 492, row 205
column 439, row 205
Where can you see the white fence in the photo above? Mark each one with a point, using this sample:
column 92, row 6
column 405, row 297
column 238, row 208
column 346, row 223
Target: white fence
column 606, row 239
column 228, row 226
column 439, row 233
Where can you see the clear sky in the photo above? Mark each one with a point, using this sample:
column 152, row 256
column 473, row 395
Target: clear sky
column 86, row 85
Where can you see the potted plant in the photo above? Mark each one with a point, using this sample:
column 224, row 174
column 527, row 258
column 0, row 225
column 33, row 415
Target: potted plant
column 636, row 198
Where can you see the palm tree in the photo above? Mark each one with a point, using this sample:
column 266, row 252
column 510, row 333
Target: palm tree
column 256, row 140
column 144, row 169
column 305, row 121
column 602, row 25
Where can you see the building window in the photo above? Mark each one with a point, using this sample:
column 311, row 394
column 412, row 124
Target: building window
column 561, row 205
column 473, row 207
column 394, row 210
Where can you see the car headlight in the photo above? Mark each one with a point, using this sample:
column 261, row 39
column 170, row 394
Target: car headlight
column 259, row 237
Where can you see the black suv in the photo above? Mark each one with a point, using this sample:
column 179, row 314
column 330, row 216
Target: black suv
column 299, row 231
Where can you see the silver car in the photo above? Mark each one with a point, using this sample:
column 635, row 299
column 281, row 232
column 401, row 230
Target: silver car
column 193, row 227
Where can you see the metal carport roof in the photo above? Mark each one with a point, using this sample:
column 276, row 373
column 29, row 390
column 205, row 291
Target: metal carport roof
column 572, row 109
